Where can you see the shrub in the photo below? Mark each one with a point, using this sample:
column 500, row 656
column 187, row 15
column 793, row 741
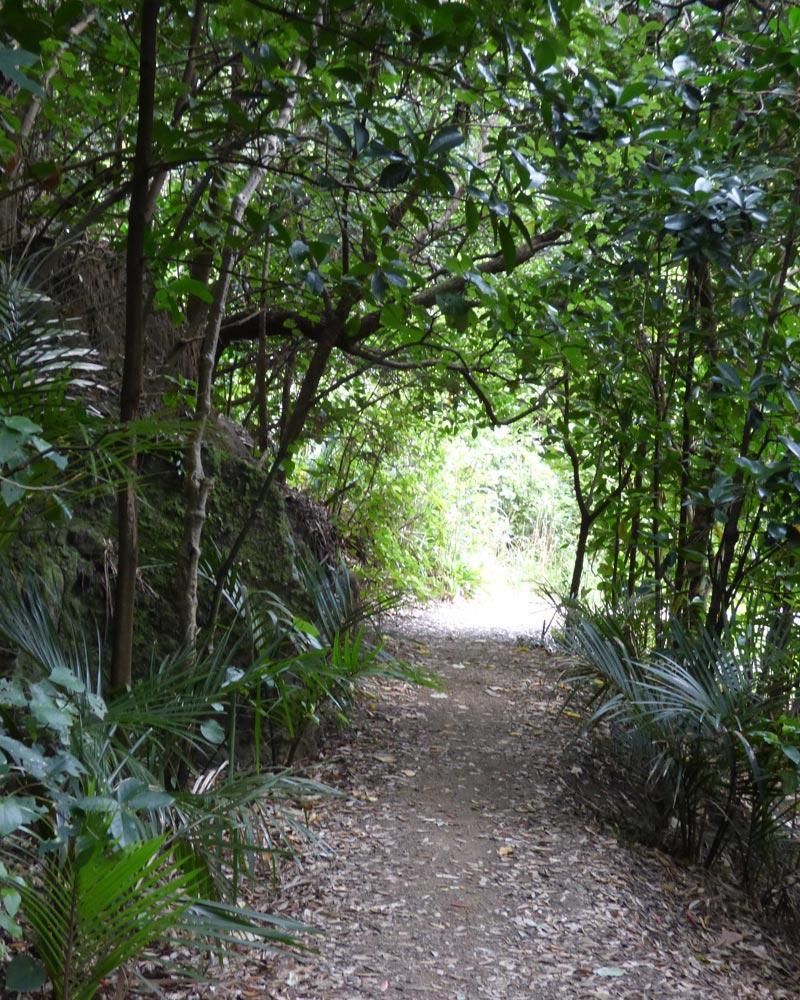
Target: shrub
column 707, row 719
column 101, row 851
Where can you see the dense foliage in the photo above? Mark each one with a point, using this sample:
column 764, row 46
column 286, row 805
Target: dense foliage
column 371, row 225
column 433, row 516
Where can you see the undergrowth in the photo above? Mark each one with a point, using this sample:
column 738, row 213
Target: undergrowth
column 710, row 726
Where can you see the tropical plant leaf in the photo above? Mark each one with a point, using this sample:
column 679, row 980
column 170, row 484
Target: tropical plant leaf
column 92, row 913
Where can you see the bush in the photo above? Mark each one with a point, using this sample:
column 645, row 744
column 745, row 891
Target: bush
column 103, row 853
column 720, row 749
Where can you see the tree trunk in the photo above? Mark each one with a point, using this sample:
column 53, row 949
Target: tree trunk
column 132, row 374
column 580, row 555
column 292, row 431
column 197, row 485
column 723, row 562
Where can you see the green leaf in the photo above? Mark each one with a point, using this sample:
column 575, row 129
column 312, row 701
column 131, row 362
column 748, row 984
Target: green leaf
column 793, row 446
column 728, row 376
column 683, row 64
column 10, row 62
column 498, row 207
column 96, row 704
column 103, row 908
column 22, row 425
column 152, row 799
column 444, row 141
column 49, row 713
column 341, row 135
column 507, row 246
column 528, row 174
column 314, row 282
column 65, row 678
column 361, row 136
column 678, row 222
column 472, row 215
column 298, row 251
column 398, row 280
column 765, row 380
column 630, row 94
column 11, row 693
column 24, row 975
column 692, row 97
column 213, row 732
column 753, row 466
column 10, row 925
column 11, row 492
column 11, row 448
column 481, row 283
column 27, row 756
column 12, row 900
column 190, row 286
column 544, row 56
column 17, row 812
column 793, row 753
column 305, row 626
column 395, row 173
column 378, row 284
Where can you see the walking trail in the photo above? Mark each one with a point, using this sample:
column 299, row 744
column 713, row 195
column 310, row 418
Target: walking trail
column 464, row 863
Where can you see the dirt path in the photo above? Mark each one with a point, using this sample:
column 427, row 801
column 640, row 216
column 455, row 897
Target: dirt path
column 462, row 864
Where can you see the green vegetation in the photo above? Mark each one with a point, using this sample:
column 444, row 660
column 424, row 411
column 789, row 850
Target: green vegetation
column 104, row 850
column 433, row 516
column 706, row 726
column 362, row 232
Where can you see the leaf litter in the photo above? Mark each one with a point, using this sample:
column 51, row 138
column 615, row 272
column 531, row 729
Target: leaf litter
column 464, row 862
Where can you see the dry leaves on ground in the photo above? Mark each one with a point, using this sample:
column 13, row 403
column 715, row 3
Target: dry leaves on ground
column 462, row 864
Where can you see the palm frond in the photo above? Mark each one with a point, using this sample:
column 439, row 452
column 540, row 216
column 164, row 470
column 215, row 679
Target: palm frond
column 39, row 353
column 91, row 912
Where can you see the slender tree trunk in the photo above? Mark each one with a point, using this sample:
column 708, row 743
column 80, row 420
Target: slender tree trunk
column 681, row 603
column 697, row 520
column 294, row 426
column 657, row 524
column 580, row 555
column 720, row 596
column 636, row 519
column 197, row 485
column 132, row 374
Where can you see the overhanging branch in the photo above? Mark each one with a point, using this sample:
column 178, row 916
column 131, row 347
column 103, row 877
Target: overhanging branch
column 285, row 323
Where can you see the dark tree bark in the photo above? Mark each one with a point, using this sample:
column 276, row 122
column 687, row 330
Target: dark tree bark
column 132, row 374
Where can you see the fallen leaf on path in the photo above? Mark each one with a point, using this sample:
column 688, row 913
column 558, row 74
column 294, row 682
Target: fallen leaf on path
column 728, row 939
column 506, row 851
column 385, row 758
column 408, row 774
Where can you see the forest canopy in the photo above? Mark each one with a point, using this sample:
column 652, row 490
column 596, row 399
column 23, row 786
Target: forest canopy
column 581, row 218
